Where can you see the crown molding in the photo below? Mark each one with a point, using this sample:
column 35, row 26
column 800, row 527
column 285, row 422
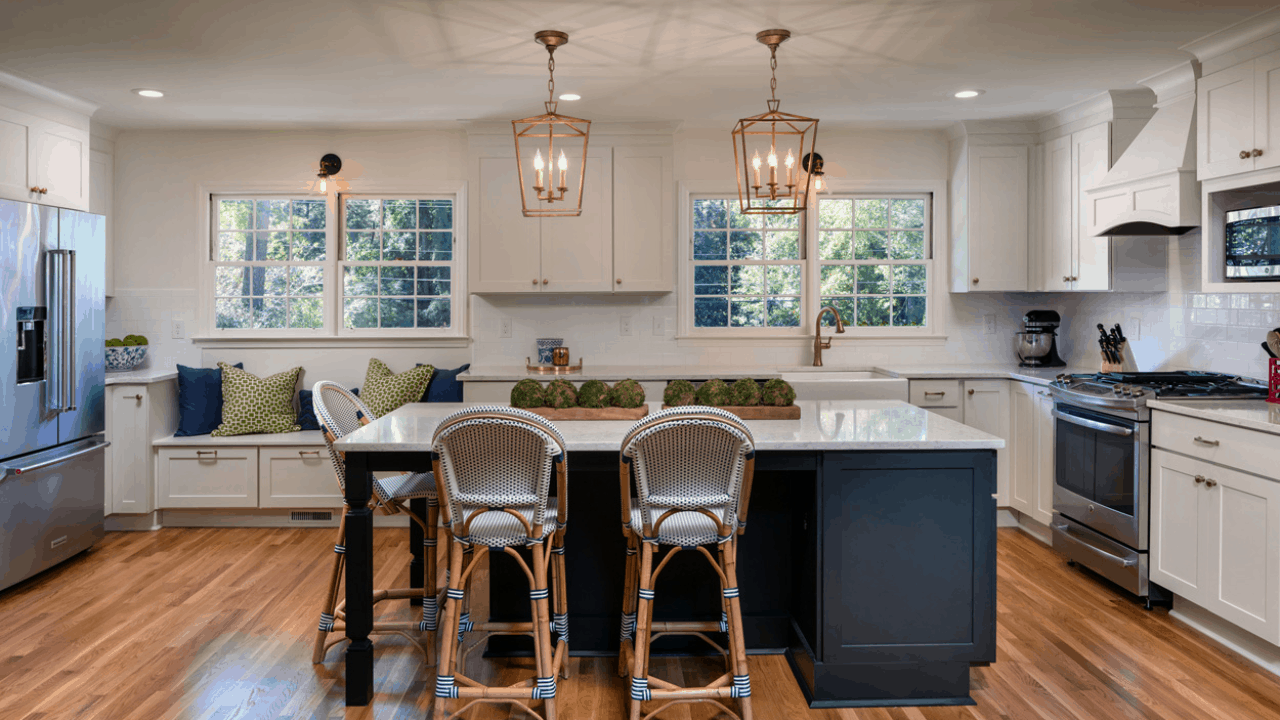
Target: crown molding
column 1175, row 83
column 1235, row 36
column 49, row 95
column 488, row 127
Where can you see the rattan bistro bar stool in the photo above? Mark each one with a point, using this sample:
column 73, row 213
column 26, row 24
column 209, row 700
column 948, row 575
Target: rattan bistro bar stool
column 341, row 413
column 692, row 468
column 495, row 464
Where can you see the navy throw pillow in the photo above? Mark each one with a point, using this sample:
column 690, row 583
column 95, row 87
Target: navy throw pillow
column 444, row 385
column 307, row 419
column 199, row 400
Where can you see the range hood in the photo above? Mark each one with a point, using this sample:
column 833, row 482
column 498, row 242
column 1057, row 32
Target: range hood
column 1152, row 188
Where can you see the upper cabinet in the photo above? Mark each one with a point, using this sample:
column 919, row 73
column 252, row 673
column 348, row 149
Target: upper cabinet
column 1238, row 114
column 989, row 224
column 622, row 242
column 1070, row 258
column 43, row 161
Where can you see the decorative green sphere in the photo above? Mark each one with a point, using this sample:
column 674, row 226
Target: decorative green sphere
column 678, row 393
column 593, row 394
column 560, row 393
column 115, row 342
column 745, row 392
column 777, row 392
column 134, row 340
column 528, row 393
column 626, row 394
column 714, row 393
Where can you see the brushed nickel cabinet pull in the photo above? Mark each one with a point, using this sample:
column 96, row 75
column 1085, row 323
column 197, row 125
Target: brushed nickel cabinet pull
column 304, row 453
column 935, row 393
column 202, row 453
column 1210, row 443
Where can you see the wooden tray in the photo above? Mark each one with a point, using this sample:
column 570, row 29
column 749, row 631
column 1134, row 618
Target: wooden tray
column 580, row 413
column 761, row 412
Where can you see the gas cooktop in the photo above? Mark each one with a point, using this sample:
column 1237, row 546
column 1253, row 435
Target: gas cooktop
column 1131, row 390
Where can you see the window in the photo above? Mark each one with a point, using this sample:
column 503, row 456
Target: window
column 398, row 263
column 344, row 265
column 867, row 255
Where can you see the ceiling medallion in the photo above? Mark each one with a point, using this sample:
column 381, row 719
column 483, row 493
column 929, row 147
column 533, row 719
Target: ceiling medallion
column 552, row 186
column 783, row 190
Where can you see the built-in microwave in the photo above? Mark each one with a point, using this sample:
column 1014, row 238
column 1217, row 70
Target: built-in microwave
column 1253, row 244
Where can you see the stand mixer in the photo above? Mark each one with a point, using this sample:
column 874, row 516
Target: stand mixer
column 1038, row 341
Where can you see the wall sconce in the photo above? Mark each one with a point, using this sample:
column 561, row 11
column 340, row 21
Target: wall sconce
column 812, row 164
column 330, row 165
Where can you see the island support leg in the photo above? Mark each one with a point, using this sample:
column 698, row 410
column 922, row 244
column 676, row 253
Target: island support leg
column 359, row 571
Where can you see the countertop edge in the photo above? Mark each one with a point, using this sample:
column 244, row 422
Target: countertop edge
column 140, row 377
column 1196, row 409
column 685, row 372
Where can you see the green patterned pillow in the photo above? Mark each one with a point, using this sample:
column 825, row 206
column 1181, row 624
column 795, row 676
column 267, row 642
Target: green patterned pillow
column 384, row 391
column 254, row 405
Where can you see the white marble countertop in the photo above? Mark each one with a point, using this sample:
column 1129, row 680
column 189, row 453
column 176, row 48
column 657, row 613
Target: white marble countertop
column 1042, row 376
column 141, row 377
column 1250, row 414
column 825, row 425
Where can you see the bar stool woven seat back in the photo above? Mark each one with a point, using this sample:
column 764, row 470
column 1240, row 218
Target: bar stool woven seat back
column 341, row 413
column 496, row 464
column 692, row 468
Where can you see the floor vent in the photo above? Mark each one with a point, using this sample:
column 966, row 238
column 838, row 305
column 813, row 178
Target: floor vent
column 311, row 516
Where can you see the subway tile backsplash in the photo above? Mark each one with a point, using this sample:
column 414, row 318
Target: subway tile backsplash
column 151, row 313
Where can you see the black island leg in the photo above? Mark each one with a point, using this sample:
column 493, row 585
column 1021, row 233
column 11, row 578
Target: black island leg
column 359, row 563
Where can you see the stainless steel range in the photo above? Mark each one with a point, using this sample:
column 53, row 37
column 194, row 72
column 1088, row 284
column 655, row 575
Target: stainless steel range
column 1102, row 464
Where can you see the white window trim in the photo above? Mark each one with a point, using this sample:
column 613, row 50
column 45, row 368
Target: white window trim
column 206, row 330
column 938, row 271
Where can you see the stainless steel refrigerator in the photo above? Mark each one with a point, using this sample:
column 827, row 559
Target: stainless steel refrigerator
column 52, row 333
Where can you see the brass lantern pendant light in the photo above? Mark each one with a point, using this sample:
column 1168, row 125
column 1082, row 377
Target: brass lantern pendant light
column 767, row 149
column 552, row 180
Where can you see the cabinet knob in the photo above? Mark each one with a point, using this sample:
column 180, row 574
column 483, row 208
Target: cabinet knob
column 535, row 281
column 1257, row 152
column 35, row 190
column 975, row 281
column 1198, row 479
column 1075, row 278
column 1066, row 278
column 619, row 281
column 544, row 281
column 1210, row 482
column 1244, row 154
column 970, row 391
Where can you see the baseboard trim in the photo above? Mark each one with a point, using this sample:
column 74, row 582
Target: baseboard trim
column 1032, row 527
column 249, row 517
column 1005, row 517
column 1261, row 652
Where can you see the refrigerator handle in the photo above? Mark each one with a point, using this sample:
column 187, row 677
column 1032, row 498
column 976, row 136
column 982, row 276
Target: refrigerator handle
column 69, row 332
column 9, row 470
column 53, row 356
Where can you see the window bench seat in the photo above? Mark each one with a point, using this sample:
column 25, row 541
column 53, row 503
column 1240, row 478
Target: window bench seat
column 279, row 470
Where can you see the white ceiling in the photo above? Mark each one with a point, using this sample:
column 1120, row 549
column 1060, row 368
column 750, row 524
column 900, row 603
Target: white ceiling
column 369, row 63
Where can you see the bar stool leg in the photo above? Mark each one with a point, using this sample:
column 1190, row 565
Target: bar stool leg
column 331, row 594
column 644, row 612
column 445, row 686
column 561, row 598
column 626, row 647
column 737, row 645
column 431, row 581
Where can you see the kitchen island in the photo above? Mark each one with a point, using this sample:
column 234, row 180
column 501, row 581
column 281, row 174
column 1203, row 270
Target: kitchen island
column 869, row 556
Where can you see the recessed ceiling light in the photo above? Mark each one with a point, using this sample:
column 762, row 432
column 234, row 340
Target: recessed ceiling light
column 149, row 93
column 969, row 93
column 570, row 96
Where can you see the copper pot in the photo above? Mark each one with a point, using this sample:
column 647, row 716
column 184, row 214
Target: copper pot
column 560, row 356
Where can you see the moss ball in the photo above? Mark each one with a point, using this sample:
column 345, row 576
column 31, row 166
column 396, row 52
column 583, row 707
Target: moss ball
column 745, row 392
column 560, row 394
column 626, row 394
column 679, row 393
column 714, row 393
column 115, row 342
column 134, row 340
column 593, row 394
column 528, row 393
column 777, row 392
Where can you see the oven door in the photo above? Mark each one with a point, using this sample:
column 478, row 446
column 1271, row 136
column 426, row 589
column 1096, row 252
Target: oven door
column 1100, row 472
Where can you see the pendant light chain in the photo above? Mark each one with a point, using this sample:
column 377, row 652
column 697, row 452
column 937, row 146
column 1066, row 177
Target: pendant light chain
column 551, row 73
column 773, row 72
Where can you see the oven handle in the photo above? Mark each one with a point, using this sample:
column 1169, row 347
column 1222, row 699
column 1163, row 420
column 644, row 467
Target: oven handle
column 1124, row 561
column 1094, row 424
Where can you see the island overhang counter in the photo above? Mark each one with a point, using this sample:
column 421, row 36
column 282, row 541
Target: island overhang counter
column 868, row 558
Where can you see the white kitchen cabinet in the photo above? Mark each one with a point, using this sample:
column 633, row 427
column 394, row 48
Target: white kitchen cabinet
column 1057, row 255
column 518, row 254
column 989, row 218
column 1072, row 259
column 643, row 220
column 135, row 416
column 43, row 161
column 100, row 175
column 1046, row 426
column 986, row 407
column 1238, row 116
column 296, row 477
column 207, row 477
column 1031, row 451
column 1215, row 540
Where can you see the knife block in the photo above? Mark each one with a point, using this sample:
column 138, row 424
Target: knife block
column 1108, row 367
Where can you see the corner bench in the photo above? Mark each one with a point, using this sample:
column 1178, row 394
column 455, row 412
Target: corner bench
column 274, row 471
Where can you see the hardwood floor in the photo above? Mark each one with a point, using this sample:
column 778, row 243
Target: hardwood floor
column 218, row 623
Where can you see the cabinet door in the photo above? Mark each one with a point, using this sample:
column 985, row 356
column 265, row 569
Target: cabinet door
column 15, row 138
column 127, row 412
column 296, row 477
column 1090, row 160
column 506, row 256
column 577, row 252
column 100, row 165
column 986, row 407
column 1044, row 468
column 1056, row 251
column 1240, row 547
column 643, row 220
column 998, row 185
column 1022, row 448
column 59, row 157
column 1177, row 519
column 1266, row 110
column 1225, row 121
column 207, row 477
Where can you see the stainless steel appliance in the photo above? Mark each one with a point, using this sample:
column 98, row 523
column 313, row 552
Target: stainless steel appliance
column 1102, row 465
column 52, row 325
column 1038, row 341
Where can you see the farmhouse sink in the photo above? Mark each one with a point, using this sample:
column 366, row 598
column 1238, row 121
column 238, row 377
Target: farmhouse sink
column 818, row 384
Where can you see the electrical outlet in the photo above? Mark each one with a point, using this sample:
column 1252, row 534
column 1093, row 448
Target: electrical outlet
column 659, row 326
column 179, row 329
column 624, row 326
column 989, row 324
column 1133, row 328
column 504, row 328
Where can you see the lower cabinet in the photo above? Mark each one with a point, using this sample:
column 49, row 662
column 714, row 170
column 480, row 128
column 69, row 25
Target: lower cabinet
column 1031, row 451
column 135, row 416
column 1215, row 540
column 296, row 477
column 986, row 407
column 221, row 477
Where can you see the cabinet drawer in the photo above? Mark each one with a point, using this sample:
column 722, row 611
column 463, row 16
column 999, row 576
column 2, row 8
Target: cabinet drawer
column 214, row 477
column 297, row 477
column 1247, row 450
column 935, row 393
